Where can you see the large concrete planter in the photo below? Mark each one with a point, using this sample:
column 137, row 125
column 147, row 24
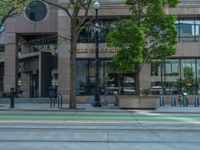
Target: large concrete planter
column 138, row 102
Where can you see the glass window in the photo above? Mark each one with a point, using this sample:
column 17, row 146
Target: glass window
column 188, row 74
column 82, row 73
column 175, row 67
column 198, row 76
column 172, row 68
column 86, row 76
column 176, row 76
column 168, row 68
column 87, row 35
column 197, row 30
column 186, row 30
column 187, row 27
column 197, row 27
column 154, row 69
column 36, row 11
column 110, row 81
column 171, row 76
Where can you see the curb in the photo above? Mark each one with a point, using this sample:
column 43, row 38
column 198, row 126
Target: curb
column 100, row 111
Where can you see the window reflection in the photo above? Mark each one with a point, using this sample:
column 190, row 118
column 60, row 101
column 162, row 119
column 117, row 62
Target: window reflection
column 197, row 29
column 88, row 34
column 110, row 81
column 188, row 30
column 188, row 72
column 176, row 76
column 36, row 11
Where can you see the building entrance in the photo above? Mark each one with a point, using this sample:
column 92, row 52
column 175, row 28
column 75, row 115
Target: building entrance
column 34, row 85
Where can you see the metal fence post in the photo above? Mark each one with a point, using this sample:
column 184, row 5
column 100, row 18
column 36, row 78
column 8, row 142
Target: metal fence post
column 173, row 101
column 162, row 101
column 12, row 98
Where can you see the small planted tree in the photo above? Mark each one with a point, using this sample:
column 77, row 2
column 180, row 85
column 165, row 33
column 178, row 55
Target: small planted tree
column 149, row 34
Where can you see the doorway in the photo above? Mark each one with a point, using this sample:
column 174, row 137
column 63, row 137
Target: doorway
column 34, row 85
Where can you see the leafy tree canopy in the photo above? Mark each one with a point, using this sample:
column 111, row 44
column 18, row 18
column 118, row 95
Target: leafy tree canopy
column 11, row 7
column 148, row 34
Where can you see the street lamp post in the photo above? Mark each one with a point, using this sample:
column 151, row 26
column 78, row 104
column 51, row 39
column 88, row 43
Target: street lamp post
column 97, row 102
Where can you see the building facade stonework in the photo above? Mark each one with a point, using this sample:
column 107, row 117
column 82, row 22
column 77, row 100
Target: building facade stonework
column 32, row 59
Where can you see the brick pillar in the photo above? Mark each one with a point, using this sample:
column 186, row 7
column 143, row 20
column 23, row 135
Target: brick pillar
column 11, row 57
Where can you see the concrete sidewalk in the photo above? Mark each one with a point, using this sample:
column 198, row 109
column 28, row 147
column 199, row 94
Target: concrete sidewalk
column 42, row 104
column 28, row 106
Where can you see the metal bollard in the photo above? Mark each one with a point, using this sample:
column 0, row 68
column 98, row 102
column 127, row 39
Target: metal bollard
column 173, row 101
column 116, row 103
column 12, row 98
column 185, row 101
column 162, row 101
column 59, row 100
column 196, row 101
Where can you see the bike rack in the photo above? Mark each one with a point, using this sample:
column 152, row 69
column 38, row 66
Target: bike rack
column 162, row 100
column 173, row 101
column 196, row 101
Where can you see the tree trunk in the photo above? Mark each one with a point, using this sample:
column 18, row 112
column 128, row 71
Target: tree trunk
column 137, row 82
column 72, row 104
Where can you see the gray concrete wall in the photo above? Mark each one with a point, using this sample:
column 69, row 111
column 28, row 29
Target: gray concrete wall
column 11, row 52
column 21, row 24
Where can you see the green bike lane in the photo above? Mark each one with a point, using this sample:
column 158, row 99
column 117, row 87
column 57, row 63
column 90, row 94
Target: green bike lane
column 98, row 118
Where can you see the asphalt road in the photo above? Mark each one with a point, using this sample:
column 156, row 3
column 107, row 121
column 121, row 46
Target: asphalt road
column 98, row 131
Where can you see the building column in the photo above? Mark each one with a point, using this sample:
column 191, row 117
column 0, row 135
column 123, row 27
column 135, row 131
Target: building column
column 25, row 77
column 64, row 56
column 11, row 58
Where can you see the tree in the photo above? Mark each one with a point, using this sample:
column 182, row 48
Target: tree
column 149, row 34
column 189, row 79
column 72, row 9
column 10, row 8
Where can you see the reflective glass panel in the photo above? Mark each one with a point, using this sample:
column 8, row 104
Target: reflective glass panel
column 188, row 76
column 186, row 30
column 36, row 11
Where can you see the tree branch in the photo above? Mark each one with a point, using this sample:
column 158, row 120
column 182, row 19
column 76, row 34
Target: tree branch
column 66, row 9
